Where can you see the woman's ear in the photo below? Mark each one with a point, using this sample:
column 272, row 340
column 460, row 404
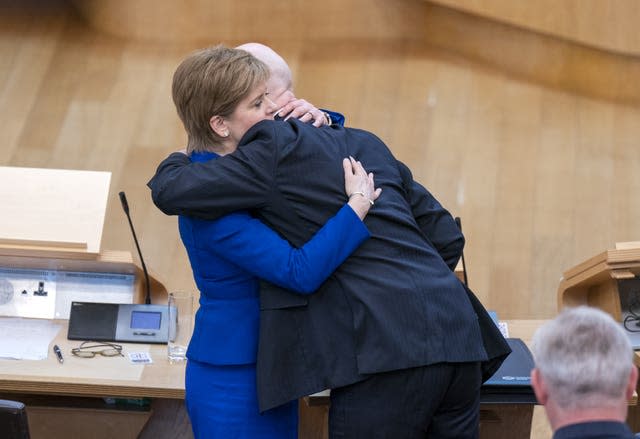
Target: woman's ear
column 219, row 126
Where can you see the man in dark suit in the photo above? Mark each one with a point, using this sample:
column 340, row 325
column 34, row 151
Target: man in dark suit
column 392, row 332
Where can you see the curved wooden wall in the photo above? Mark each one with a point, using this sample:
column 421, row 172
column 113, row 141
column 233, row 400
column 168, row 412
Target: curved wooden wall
column 609, row 25
column 498, row 122
column 606, row 24
column 512, row 45
column 218, row 20
column 535, row 56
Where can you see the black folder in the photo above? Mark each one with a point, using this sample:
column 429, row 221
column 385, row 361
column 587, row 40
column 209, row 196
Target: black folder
column 512, row 381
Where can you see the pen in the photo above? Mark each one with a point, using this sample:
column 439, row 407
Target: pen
column 58, row 353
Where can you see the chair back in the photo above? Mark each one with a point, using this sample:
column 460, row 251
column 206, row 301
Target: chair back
column 13, row 420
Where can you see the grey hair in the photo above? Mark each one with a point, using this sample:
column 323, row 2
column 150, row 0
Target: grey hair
column 585, row 358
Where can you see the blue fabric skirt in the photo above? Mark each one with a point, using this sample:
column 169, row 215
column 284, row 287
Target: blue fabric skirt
column 222, row 403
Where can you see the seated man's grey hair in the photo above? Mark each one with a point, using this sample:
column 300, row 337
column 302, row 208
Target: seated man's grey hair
column 585, row 357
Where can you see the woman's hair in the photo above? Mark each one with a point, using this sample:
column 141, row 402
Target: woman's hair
column 211, row 82
column 585, row 357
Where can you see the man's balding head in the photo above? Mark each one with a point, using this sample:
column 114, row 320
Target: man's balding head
column 280, row 70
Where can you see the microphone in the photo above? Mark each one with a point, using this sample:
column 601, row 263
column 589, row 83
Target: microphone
column 125, row 207
column 464, row 266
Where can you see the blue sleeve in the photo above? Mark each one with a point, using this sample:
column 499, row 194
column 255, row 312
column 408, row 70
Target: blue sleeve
column 250, row 244
column 336, row 118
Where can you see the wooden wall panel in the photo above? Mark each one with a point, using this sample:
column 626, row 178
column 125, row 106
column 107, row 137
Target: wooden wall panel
column 204, row 20
column 543, row 177
column 610, row 25
column 464, row 27
column 531, row 140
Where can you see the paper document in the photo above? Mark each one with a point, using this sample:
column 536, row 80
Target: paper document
column 26, row 339
column 502, row 326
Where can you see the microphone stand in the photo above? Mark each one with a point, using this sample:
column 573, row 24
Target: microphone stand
column 125, row 207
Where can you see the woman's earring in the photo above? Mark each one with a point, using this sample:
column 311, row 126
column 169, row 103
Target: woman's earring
column 225, row 134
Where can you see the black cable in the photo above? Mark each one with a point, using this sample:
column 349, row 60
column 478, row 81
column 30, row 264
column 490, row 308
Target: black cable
column 633, row 316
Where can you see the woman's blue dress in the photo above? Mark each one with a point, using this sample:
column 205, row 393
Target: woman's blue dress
column 228, row 257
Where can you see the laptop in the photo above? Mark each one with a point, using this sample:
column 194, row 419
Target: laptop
column 512, row 381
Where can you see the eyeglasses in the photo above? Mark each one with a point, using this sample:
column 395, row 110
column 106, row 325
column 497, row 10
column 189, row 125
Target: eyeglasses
column 89, row 349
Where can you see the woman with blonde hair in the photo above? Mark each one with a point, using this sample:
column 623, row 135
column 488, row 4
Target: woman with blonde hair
column 219, row 94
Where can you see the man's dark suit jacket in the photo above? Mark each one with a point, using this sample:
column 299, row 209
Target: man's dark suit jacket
column 595, row 430
column 394, row 304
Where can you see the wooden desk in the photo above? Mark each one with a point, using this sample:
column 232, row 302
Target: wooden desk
column 164, row 383
column 75, row 389
column 503, row 420
column 101, row 377
column 595, row 282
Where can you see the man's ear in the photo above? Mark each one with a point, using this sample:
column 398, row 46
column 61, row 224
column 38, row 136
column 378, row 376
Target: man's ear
column 633, row 381
column 539, row 387
column 219, row 126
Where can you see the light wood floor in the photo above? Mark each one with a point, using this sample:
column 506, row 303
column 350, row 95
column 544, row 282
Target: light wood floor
column 542, row 178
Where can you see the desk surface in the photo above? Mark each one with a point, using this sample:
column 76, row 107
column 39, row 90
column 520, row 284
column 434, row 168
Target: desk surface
column 118, row 377
column 99, row 376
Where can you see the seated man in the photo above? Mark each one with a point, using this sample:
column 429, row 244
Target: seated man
column 584, row 374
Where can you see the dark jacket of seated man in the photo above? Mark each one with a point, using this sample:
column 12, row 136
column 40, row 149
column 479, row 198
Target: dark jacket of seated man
column 394, row 304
